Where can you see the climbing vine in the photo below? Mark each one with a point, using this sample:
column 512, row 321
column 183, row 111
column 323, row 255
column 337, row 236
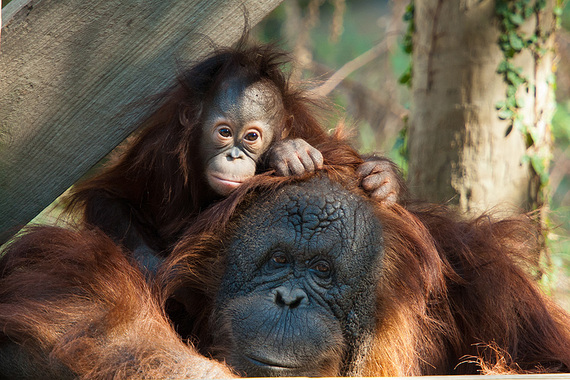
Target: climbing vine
column 407, row 43
column 401, row 144
column 512, row 14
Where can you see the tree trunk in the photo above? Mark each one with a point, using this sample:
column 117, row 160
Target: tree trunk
column 460, row 151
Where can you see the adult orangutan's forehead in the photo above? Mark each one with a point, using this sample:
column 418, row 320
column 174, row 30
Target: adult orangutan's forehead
column 249, row 101
column 315, row 218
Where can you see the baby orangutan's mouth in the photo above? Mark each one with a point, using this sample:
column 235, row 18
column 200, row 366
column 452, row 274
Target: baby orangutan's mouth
column 228, row 182
column 222, row 185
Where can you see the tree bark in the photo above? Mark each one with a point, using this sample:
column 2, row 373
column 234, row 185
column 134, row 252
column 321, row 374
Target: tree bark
column 459, row 149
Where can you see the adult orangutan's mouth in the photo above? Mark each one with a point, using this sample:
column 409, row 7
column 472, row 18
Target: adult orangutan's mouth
column 269, row 363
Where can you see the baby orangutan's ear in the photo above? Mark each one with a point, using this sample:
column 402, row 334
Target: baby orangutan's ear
column 287, row 128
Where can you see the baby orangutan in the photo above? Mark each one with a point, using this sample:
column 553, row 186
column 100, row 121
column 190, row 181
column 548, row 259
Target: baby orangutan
column 231, row 116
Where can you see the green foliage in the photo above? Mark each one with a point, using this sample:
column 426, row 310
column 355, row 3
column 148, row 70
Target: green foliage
column 366, row 134
column 400, row 149
column 561, row 135
column 407, row 43
column 512, row 14
column 561, row 124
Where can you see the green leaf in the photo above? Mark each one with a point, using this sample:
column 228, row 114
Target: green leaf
column 518, row 124
column 541, row 51
column 502, row 8
column 534, row 134
column 532, row 39
column 503, row 67
column 515, row 79
column 516, row 42
column 516, row 18
column 511, row 102
column 525, row 159
column 500, row 104
column 505, row 47
column 551, row 78
column 539, row 164
column 540, row 5
column 406, row 77
column 505, row 114
column 407, row 44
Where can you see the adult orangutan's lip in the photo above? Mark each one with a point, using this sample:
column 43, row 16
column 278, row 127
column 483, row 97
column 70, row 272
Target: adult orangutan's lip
column 268, row 363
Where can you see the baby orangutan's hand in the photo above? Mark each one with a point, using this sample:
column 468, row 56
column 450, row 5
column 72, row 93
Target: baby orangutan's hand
column 380, row 178
column 294, row 157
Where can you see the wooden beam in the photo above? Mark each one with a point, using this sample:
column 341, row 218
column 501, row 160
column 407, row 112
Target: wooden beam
column 71, row 72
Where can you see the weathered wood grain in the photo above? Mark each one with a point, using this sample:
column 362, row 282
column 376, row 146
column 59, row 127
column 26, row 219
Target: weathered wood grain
column 72, row 73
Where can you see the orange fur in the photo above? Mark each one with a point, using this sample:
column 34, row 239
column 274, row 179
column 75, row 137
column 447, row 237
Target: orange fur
column 73, row 300
column 453, row 296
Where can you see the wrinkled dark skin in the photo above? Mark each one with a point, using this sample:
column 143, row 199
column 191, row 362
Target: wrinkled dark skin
column 298, row 294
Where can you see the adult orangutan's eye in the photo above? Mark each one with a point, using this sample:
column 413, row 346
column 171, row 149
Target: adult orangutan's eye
column 322, row 268
column 279, row 258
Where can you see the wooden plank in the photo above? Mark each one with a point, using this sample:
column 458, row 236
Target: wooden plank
column 70, row 71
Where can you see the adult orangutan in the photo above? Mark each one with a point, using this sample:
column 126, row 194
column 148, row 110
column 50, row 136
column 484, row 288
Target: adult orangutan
column 231, row 115
column 311, row 278
column 287, row 276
